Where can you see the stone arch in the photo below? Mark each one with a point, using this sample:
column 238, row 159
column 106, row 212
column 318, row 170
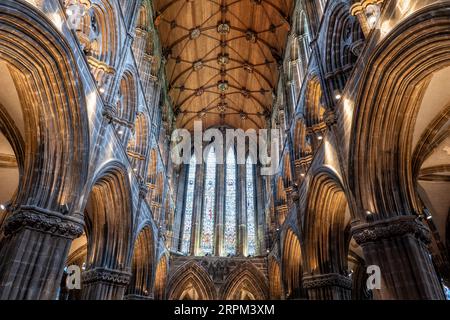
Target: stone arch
column 383, row 175
column 127, row 102
column 138, row 144
column 54, row 154
column 190, row 281
column 108, row 219
column 246, row 282
column 292, row 265
column 104, row 32
column 140, row 286
column 326, row 244
column 343, row 31
column 275, row 283
column 61, row 111
column 383, row 180
column 314, row 108
column 302, row 148
column 161, row 279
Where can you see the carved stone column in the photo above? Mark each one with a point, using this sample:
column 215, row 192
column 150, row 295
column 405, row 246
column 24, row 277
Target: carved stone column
column 220, row 211
column 104, row 284
column 197, row 209
column 34, row 252
column 332, row 286
column 241, row 199
column 399, row 247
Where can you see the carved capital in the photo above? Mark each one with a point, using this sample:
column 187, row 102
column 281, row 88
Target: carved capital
column 391, row 228
column 327, row 280
column 42, row 220
column 114, row 277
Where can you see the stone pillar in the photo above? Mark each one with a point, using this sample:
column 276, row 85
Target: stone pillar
column 332, row 286
column 104, row 284
column 220, row 210
column 399, row 247
column 241, row 199
column 197, row 209
column 34, row 252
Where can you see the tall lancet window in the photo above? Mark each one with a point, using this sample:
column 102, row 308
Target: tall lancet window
column 230, row 204
column 251, row 219
column 189, row 204
column 207, row 241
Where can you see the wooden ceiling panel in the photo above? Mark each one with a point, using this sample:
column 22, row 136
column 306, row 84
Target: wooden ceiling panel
column 222, row 58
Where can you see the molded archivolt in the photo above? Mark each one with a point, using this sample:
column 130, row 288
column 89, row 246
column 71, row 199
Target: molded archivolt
column 343, row 33
column 382, row 177
column 292, row 265
column 191, row 282
column 275, row 284
column 159, row 292
column 326, row 236
column 108, row 220
column 55, row 156
column 140, row 286
column 246, row 282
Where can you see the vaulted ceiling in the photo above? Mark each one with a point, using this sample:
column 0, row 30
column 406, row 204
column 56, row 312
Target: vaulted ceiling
column 222, row 58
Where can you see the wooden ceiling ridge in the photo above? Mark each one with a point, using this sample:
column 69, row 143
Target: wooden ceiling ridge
column 223, row 57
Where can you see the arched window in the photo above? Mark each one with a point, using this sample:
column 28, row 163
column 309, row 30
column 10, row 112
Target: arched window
column 189, row 204
column 230, row 204
column 251, row 219
column 207, row 238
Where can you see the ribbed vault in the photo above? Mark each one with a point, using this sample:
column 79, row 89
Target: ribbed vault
column 222, row 57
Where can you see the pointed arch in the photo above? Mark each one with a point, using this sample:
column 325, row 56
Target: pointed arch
column 326, row 220
column 275, row 284
column 246, row 282
column 292, row 265
column 191, row 281
column 161, row 279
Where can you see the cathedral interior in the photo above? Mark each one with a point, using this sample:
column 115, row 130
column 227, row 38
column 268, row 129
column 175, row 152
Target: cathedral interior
column 92, row 92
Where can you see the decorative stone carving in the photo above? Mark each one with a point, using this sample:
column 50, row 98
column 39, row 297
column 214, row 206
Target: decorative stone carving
column 396, row 227
column 115, row 277
column 327, row 280
column 42, row 220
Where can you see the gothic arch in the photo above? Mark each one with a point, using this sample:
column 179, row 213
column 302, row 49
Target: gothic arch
column 128, row 95
column 275, row 284
column 105, row 25
column 190, row 281
column 343, row 31
column 140, row 286
column 383, row 178
column 314, row 109
column 326, row 221
column 246, row 282
column 161, row 279
column 292, row 265
column 139, row 143
column 55, row 121
column 108, row 226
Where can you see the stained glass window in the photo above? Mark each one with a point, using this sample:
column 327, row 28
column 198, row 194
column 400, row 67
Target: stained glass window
column 230, row 204
column 189, row 204
column 251, row 221
column 207, row 243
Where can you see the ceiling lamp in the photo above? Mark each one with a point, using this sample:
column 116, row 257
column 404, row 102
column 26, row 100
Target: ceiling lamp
column 243, row 115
